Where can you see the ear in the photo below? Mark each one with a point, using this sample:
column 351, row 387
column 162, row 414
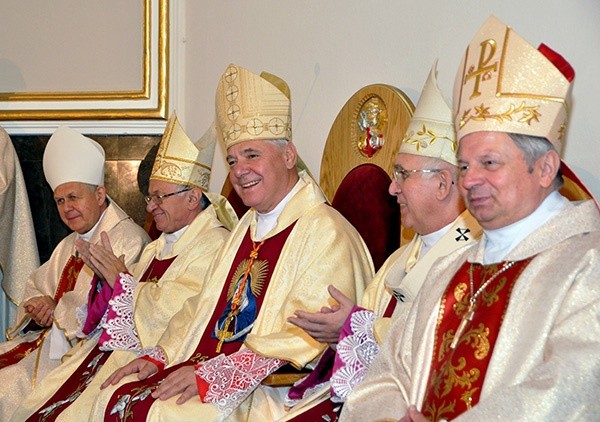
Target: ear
column 445, row 182
column 548, row 166
column 193, row 199
column 291, row 155
column 101, row 194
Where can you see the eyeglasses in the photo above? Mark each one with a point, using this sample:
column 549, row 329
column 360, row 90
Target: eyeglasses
column 401, row 174
column 158, row 199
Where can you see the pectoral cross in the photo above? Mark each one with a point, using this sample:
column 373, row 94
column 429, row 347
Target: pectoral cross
column 467, row 317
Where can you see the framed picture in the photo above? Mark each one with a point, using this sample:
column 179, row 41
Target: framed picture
column 84, row 60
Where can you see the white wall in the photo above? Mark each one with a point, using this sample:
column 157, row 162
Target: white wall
column 328, row 49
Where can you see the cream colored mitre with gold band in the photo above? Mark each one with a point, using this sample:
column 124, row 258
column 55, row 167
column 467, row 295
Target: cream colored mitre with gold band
column 180, row 161
column 430, row 132
column 504, row 84
column 71, row 157
column 252, row 107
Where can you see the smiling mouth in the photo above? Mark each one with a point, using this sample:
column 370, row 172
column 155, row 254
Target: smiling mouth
column 250, row 184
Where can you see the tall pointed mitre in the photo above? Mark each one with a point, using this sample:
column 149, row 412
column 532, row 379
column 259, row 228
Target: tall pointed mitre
column 504, row 84
column 71, row 157
column 430, row 132
column 252, row 107
column 180, row 161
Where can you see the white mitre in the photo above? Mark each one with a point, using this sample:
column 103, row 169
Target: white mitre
column 71, row 157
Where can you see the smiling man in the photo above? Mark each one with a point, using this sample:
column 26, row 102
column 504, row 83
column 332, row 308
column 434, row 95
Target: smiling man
column 508, row 328
column 131, row 307
column 424, row 182
column 281, row 255
column 46, row 324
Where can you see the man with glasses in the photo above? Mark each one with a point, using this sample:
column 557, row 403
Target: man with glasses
column 507, row 328
column 46, row 325
column 130, row 308
column 424, row 183
column 211, row 362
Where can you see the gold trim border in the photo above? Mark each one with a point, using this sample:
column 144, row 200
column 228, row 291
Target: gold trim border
column 158, row 112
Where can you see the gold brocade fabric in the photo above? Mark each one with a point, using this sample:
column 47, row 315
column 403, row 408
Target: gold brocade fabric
column 18, row 249
column 311, row 259
column 393, row 279
column 155, row 304
column 544, row 363
column 458, row 372
column 127, row 238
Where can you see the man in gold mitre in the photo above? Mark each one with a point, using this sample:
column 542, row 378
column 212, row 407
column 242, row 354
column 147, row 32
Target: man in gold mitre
column 507, row 328
column 131, row 308
column 425, row 186
column 212, row 360
column 46, row 324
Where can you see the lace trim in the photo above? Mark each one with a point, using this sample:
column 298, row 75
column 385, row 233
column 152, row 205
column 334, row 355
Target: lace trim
column 119, row 330
column 81, row 315
column 355, row 353
column 156, row 353
column 231, row 379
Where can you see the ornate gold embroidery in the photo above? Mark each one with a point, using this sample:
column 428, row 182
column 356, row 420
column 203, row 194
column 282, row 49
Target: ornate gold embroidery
column 491, row 297
column 478, row 338
column 482, row 113
column 426, row 137
column 435, row 413
column 258, row 273
column 484, row 69
column 198, row 358
column 467, row 397
column 460, row 294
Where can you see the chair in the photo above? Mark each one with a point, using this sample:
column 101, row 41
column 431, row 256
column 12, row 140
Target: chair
column 357, row 162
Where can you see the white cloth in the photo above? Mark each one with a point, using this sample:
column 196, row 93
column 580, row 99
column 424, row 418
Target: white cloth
column 544, row 364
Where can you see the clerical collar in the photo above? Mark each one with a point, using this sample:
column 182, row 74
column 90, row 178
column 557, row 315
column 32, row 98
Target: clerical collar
column 267, row 221
column 170, row 239
column 432, row 238
column 88, row 235
column 499, row 242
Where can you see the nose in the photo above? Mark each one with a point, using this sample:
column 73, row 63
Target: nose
column 150, row 206
column 237, row 171
column 394, row 188
column 469, row 177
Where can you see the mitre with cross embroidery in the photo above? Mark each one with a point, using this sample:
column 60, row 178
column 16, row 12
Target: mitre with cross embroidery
column 252, row 107
column 505, row 84
column 181, row 161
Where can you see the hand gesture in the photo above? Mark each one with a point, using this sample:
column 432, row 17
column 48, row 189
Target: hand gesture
column 325, row 325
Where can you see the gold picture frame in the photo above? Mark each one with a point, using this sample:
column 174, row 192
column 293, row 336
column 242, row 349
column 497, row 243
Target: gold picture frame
column 148, row 102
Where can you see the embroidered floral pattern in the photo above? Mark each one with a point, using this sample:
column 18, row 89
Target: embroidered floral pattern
column 119, row 330
column 356, row 352
column 232, row 378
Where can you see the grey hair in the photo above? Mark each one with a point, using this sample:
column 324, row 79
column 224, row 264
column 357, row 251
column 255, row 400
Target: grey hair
column 204, row 201
column 438, row 163
column 533, row 147
column 280, row 142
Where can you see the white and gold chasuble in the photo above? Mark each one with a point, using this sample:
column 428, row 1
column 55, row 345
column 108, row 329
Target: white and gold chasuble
column 322, row 249
column 129, row 240
column 154, row 305
column 543, row 365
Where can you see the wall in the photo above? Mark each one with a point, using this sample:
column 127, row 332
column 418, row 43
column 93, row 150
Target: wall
column 327, row 50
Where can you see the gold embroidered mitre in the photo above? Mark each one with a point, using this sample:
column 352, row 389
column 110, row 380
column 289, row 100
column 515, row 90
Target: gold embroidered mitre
column 430, row 132
column 180, row 161
column 504, row 84
column 252, row 107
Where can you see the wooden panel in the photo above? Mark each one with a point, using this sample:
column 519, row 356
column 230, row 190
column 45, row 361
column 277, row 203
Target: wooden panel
column 386, row 111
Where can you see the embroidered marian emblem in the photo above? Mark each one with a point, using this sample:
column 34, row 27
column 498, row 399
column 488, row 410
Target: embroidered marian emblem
column 462, row 234
column 241, row 320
